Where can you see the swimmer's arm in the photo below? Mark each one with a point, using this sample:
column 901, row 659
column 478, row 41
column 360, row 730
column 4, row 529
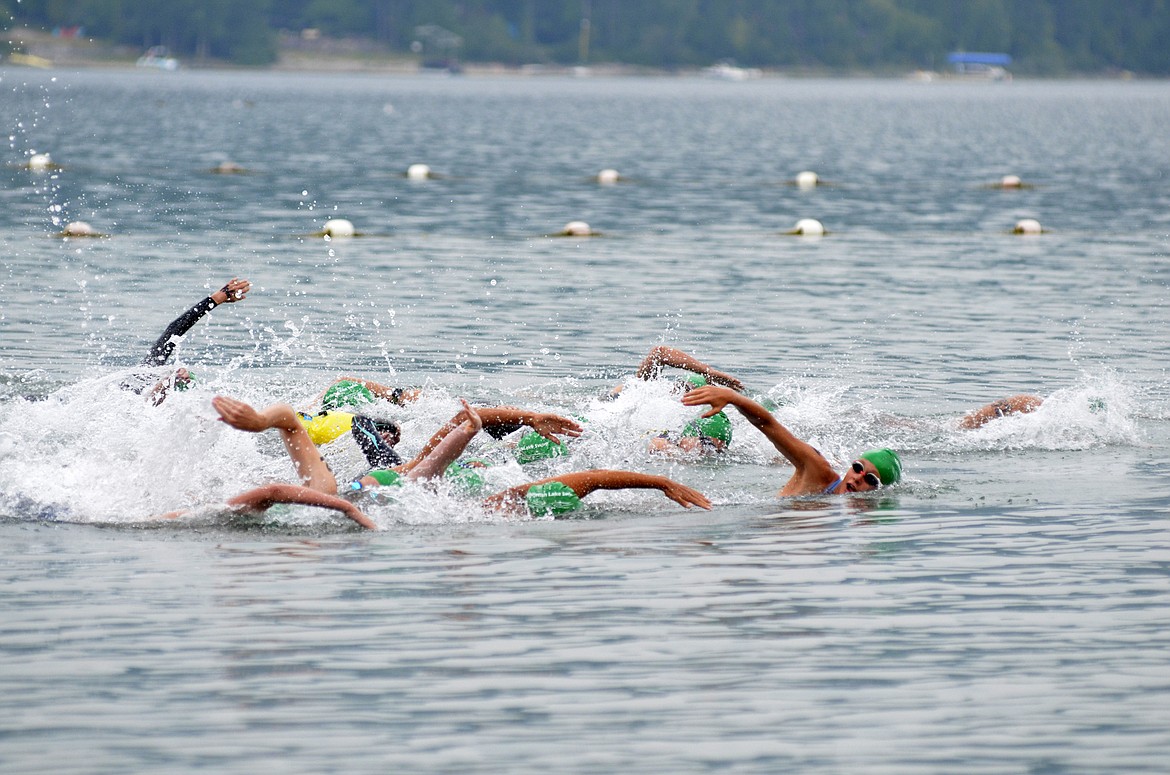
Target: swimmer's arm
column 467, row 421
column 235, row 290
column 800, row 453
column 451, row 441
column 584, row 482
column 263, row 498
column 505, row 419
column 651, row 366
column 1022, row 403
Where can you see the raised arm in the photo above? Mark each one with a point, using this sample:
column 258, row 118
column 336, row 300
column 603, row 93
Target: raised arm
column 312, row 469
column 263, row 498
column 660, row 356
column 235, row 290
column 800, row 453
column 584, row 482
column 445, row 446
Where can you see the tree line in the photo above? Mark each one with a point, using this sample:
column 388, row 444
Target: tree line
column 1044, row 37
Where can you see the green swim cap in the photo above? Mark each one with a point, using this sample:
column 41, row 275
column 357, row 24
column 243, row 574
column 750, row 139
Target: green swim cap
column 554, row 498
column 386, row 477
column 464, row 474
column 185, row 384
column 696, row 380
column 346, row 393
column 717, row 426
column 887, row 463
column 532, row 447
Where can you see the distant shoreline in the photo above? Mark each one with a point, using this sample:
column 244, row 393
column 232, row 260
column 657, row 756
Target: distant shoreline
column 37, row 49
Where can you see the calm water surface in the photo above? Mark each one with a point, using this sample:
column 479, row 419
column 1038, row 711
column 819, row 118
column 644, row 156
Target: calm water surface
column 1004, row 609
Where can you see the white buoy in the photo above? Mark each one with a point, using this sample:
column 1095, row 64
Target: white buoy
column 229, row 168
column 1027, row 226
column 608, row 176
column 418, row 172
column 808, row 227
column 807, row 179
column 40, row 161
column 79, row 229
column 1010, row 181
column 338, row 227
column 577, row 229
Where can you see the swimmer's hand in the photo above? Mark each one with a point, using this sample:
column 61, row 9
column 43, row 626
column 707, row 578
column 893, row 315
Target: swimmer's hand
column 470, row 418
column 549, row 425
column 717, row 397
column 243, row 417
column 235, row 290
column 354, row 513
column 685, row 496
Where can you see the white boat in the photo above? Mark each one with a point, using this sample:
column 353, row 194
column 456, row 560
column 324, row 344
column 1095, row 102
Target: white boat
column 726, row 71
column 158, row 58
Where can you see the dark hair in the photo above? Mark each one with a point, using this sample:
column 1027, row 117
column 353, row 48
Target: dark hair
column 368, row 433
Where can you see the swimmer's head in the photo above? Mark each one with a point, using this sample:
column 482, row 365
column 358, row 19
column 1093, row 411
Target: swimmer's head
column 377, row 438
column 465, row 474
column 532, row 447
column 690, row 382
column 346, row 393
column 386, row 477
column 717, row 428
column 553, row 498
column 886, row 462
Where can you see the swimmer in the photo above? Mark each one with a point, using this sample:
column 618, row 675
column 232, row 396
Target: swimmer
column 235, row 290
column 355, row 391
column 315, row 473
column 556, row 496
column 376, row 438
column 318, row 484
column 559, row 495
column 260, row 499
column 704, row 434
column 813, row 476
column 1021, row 403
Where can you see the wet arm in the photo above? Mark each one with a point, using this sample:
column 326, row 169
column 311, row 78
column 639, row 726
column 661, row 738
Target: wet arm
column 800, row 453
column 160, row 353
column 660, row 356
column 263, row 498
column 584, row 482
column 502, row 420
column 449, row 446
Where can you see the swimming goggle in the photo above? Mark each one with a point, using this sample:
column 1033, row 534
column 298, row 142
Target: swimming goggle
column 870, row 477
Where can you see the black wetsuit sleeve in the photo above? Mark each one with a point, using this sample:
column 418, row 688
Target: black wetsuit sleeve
column 160, row 353
column 502, row 430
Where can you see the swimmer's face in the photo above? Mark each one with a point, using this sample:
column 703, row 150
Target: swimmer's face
column 701, row 444
column 861, row 476
column 390, row 437
column 691, row 444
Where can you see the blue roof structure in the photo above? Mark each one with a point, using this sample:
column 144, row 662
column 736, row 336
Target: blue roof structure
column 979, row 58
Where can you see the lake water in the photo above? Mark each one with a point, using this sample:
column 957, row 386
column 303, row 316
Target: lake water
column 1006, row 608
